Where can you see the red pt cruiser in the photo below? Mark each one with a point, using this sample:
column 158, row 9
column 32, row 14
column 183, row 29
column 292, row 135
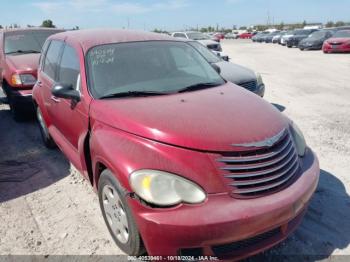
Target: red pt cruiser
column 19, row 59
column 184, row 162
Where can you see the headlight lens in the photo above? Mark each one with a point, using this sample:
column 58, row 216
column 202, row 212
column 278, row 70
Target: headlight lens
column 299, row 139
column 165, row 189
column 23, row 79
column 259, row 80
column 27, row 79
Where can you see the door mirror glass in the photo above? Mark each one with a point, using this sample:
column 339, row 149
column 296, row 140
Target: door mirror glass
column 66, row 91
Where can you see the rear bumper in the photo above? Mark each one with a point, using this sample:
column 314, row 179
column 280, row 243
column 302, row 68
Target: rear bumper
column 222, row 222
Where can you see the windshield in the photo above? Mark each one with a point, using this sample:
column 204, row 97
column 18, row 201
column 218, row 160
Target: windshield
column 26, row 41
column 342, row 33
column 318, row 34
column 197, row 36
column 209, row 55
column 300, row 32
column 152, row 66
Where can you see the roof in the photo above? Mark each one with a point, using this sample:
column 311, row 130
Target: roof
column 92, row 37
column 6, row 30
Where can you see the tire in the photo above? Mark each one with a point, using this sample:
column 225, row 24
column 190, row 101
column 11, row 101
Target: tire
column 118, row 216
column 47, row 139
column 289, row 46
column 301, row 49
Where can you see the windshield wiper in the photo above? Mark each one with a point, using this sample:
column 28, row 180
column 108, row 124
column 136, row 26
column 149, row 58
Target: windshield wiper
column 23, row 52
column 133, row 94
column 199, row 86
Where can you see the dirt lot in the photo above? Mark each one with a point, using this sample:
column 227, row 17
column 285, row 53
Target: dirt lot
column 47, row 208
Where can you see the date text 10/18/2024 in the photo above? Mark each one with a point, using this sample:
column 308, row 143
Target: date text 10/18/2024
column 172, row 258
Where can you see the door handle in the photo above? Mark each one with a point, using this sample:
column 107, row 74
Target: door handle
column 55, row 99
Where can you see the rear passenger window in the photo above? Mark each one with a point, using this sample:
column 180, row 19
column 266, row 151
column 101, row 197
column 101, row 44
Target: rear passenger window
column 51, row 59
column 69, row 68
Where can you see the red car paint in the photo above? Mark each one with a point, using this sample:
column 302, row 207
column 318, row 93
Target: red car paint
column 20, row 63
column 246, row 35
column 183, row 134
column 337, row 45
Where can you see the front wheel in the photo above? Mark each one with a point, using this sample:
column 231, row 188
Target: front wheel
column 118, row 216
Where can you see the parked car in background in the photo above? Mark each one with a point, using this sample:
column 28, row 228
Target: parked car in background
column 234, row 73
column 200, row 37
column 231, row 36
column 277, row 38
column 19, row 58
column 286, row 37
column 339, row 43
column 219, row 36
column 268, row 38
column 184, row 162
column 298, row 36
column 246, row 35
column 315, row 40
column 258, row 36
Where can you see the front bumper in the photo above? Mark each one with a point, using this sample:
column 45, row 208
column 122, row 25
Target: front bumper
column 212, row 228
column 19, row 96
column 336, row 49
column 310, row 46
column 293, row 42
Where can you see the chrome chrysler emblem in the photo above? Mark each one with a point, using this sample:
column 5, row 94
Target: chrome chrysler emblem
column 265, row 143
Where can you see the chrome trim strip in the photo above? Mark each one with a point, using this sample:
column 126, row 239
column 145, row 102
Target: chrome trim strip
column 265, row 143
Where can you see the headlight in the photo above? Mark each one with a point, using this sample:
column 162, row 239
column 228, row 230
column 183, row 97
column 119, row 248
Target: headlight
column 299, row 139
column 23, row 79
column 259, row 80
column 165, row 189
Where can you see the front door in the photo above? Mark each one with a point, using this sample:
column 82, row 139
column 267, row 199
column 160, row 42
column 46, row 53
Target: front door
column 70, row 118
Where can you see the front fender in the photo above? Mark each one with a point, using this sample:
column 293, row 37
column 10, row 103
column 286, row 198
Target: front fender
column 123, row 153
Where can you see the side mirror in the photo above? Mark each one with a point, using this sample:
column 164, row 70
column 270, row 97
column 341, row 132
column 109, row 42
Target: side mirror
column 217, row 68
column 65, row 91
column 226, row 58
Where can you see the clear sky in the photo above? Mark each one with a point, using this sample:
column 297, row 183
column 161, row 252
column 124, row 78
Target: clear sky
column 170, row 14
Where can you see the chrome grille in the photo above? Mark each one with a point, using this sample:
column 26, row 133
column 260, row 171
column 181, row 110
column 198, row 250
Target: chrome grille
column 251, row 85
column 261, row 171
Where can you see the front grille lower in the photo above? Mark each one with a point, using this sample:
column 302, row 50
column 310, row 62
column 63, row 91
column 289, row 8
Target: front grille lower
column 222, row 250
column 261, row 171
column 251, row 85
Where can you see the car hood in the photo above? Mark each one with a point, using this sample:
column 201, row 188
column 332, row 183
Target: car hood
column 24, row 62
column 299, row 36
column 339, row 39
column 235, row 73
column 311, row 40
column 209, row 120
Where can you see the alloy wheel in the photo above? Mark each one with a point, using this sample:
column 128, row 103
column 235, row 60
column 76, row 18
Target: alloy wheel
column 115, row 213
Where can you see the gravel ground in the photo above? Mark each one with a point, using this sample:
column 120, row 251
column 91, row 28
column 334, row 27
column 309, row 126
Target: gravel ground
column 46, row 208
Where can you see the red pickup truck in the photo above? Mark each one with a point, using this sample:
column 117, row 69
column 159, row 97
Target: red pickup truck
column 19, row 58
